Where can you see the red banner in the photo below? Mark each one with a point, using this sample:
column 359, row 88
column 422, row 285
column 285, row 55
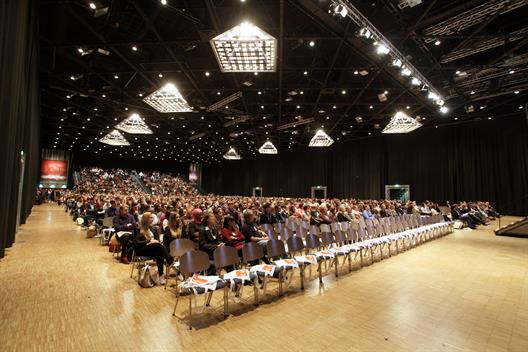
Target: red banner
column 53, row 170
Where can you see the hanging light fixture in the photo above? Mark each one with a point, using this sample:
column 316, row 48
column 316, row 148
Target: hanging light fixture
column 321, row 139
column 168, row 99
column 134, row 124
column 232, row 154
column 114, row 138
column 245, row 48
column 401, row 123
column 268, row 148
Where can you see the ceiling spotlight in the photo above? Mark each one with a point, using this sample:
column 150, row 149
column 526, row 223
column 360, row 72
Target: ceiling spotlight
column 415, row 81
column 93, row 6
column 104, row 95
column 218, row 93
column 472, row 92
column 520, row 107
column 116, row 77
column 163, row 2
column 405, row 71
column 444, row 109
column 338, row 10
column 343, row 92
column 311, row 43
column 334, row 107
column 371, row 107
column 259, row 92
column 356, row 72
column 80, row 50
column 407, row 107
column 301, row 92
column 382, row 49
column 134, row 48
column 305, row 73
column 255, row 73
column 457, row 72
column 438, row 42
column 515, row 92
column 489, row 118
column 396, row 62
column 365, row 32
column 160, row 75
column 512, row 72
column 207, row 74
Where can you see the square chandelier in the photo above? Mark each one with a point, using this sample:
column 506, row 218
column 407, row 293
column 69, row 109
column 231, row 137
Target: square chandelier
column 114, row 138
column 168, row 99
column 232, row 154
column 321, row 139
column 134, row 124
column 245, row 48
column 268, row 148
column 401, row 123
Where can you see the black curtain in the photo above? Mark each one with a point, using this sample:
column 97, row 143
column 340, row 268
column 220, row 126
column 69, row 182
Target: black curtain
column 19, row 113
column 485, row 160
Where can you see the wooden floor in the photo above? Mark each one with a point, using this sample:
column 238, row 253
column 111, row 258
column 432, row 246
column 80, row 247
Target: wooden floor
column 467, row 291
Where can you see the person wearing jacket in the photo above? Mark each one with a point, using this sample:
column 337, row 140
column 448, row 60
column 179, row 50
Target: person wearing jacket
column 209, row 237
column 232, row 236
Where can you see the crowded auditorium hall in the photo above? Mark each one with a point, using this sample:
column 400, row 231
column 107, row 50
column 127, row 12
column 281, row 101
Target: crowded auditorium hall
column 248, row 175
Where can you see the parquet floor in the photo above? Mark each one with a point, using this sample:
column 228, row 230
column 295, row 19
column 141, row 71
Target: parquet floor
column 467, row 291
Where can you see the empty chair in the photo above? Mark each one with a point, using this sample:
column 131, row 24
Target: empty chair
column 225, row 258
column 285, row 234
column 301, row 232
column 107, row 229
column 192, row 263
column 276, row 252
column 177, row 248
column 296, row 246
column 313, row 244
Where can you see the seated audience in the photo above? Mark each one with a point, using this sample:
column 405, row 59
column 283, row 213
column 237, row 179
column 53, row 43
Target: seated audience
column 145, row 244
column 232, row 236
column 173, row 229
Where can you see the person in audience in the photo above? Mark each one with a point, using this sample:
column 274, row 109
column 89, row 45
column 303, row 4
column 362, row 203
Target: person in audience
column 232, row 236
column 209, row 236
column 196, row 226
column 145, row 244
column 367, row 214
column 111, row 211
column 124, row 222
column 173, row 229
column 342, row 215
column 268, row 216
column 251, row 232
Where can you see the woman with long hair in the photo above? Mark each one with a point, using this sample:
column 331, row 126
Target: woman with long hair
column 147, row 245
column 173, row 230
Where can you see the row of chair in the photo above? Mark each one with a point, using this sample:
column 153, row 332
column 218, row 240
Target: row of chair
column 299, row 249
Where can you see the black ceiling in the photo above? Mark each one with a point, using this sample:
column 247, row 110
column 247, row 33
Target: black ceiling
column 172, row 41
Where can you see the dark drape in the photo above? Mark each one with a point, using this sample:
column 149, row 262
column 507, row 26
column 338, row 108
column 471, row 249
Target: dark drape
column 19, row 112
column 486, row 160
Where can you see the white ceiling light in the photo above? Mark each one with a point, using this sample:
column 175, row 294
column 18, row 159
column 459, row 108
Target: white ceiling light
column 365, row 32
column 444, row 109
column 114, row 138
column 340, row 10
column 168, row 99
column 396, row 62
column 232, row 154
column 268, row 148
column 401, row 123
column 134, row 124
column 93, row 6
column 245, row 48
column 405, row 71
column 382, row 49
column 321, row 139
column 437, row 42
column 415, row 81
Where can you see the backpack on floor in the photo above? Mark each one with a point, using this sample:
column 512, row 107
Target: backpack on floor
column 91, row 232
column 148, row 276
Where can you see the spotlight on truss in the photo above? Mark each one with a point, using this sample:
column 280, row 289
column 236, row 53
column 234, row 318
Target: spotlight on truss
column 401, row 123
column 321, row 139
column 268, row 148
column 338, row 10
column 232, row 154
column 168, row 99
column 114, row 138
column 245, row 48
column 134, row 124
